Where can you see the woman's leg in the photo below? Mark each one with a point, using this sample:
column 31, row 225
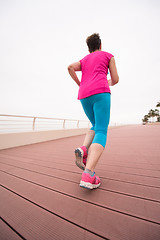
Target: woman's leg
column 89, row 138
column 95, row 152
column 88, row 109
column 102, row 116
column 81, row 153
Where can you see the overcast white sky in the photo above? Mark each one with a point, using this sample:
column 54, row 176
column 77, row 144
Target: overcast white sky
column 40, row 38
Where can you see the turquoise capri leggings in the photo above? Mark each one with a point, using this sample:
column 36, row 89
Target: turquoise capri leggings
column 97, row 109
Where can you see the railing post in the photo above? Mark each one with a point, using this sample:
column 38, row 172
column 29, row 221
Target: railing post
column 64, row 124
column 33, row 126
column 78, row 124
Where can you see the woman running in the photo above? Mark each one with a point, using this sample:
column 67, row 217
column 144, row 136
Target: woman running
column 94, row 95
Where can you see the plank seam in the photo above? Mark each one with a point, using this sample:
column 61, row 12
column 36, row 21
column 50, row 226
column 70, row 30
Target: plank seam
column 13, row 229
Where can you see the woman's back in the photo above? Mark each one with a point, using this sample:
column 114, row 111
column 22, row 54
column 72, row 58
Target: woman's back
column 94, row 68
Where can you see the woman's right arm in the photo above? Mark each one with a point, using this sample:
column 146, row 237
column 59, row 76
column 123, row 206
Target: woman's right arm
column 113, row 72
column 72, row 68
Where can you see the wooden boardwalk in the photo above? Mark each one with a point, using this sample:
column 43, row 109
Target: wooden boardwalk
column 40, row 197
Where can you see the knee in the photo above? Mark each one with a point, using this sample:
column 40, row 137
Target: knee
column 100, row 138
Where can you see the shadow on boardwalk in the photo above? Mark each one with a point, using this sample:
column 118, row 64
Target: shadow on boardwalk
column 41, row 197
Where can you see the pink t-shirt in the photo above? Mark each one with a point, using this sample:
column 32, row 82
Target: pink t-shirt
column 94, row 69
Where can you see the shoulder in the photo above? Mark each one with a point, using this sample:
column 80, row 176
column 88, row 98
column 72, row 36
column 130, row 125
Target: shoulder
column 108, row 54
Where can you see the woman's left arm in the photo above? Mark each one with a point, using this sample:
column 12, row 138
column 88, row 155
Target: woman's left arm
column 72, row 68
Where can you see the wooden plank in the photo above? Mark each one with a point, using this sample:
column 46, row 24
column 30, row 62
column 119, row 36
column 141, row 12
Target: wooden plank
column 137, row 179
column 110, row 224
column 138, row 208
column 51, row 181
column 58, row 161
column 62, row 158
column 149, row 193
column 34, row 222
column 6, row 167
column 7, row 232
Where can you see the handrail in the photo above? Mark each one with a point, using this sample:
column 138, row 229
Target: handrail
column 35, row 119
column 6, row 115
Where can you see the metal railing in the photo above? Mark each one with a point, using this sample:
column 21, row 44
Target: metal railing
column 16, row 123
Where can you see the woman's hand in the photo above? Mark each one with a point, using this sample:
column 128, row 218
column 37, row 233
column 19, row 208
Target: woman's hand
column 110, row 82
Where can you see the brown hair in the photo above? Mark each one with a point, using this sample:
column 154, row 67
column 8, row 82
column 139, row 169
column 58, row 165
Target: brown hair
column 93, row 42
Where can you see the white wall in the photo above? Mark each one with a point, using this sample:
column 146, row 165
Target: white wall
column 9, row 140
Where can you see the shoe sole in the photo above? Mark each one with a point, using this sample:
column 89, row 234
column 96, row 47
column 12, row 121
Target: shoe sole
column 79, row 159
column 89, row 185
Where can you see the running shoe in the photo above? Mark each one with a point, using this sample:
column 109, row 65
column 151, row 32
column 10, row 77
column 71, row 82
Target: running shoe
column 89, row 182
column 81, row 157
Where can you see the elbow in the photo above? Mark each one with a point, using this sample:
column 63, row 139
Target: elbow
column 69, row 68
column 115, row 80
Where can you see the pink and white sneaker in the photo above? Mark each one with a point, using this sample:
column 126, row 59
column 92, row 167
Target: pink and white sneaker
column 81, row 157
column 89, row 182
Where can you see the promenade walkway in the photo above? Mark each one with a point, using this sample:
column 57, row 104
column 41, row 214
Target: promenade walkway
column 40, row 197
